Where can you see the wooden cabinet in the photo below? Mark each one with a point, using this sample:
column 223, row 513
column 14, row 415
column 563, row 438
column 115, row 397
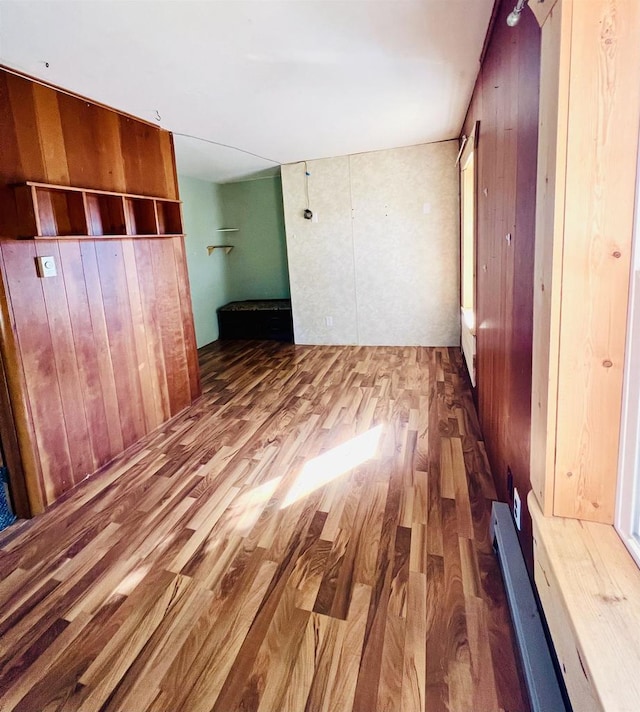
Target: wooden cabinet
column 589, row 115
column 56, row 212
column 103, row 352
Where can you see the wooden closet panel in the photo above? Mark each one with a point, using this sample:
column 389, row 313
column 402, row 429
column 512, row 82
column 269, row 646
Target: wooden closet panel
column 104, row 352
column 505, row 101
column 37, row 360
column 105, row 364
column 117, row 311
column 187, row 320
column 87, row 355
column 170, row 321
column 52, row 136
column 140, row 336
column 72, row 394
column 144, row 163
column 150, row 316
column 16, row 419
column 52, row 143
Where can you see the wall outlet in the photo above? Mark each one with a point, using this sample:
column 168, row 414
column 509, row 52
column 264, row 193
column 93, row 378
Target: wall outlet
column 517, row 509
column 328, row 321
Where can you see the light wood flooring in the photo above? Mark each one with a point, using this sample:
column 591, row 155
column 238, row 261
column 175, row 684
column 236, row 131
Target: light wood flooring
column 312, row 535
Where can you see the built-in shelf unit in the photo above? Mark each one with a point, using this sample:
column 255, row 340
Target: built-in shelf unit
column 59, row 212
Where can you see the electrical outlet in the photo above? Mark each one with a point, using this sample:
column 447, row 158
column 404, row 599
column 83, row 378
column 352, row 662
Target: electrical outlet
column 517, row 509
column 328, row 321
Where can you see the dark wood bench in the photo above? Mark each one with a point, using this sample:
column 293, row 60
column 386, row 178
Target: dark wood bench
column 256, row 319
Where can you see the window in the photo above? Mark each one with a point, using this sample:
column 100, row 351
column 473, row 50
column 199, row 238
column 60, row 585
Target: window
column 628, row 504
column 468, row 250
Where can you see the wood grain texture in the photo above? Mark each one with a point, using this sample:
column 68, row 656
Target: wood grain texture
column 185, row 576
column 505, row 101
column 588, row 585
column 555, row 65
column 604, row 112
column 104, row 352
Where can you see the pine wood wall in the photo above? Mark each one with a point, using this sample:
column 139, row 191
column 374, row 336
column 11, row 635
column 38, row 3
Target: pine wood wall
column 505, row 101
column 104, row 352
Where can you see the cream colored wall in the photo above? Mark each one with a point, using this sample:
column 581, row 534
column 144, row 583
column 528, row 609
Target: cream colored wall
column 320, row 254
column 382, row 260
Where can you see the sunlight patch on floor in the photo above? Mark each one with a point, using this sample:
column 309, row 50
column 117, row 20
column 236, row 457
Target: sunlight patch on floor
column 251, row 504
column 332, row 464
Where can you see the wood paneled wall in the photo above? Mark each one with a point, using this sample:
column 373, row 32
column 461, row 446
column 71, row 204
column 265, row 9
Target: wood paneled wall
column 505, row 101
column 104, row 352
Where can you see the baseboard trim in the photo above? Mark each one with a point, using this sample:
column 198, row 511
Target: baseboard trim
column 542, row 683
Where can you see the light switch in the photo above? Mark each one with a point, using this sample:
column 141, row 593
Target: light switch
column 46, row 267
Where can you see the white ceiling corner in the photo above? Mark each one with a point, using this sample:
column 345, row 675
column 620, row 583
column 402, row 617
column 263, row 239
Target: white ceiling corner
column 285, row 80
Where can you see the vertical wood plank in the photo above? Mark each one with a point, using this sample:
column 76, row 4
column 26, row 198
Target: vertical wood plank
column 31, row 160
column 87, row 357
column 25, row 470
column 105, row 363
column 151, row 315
column 171, row 329
column 51, row 134
column 117, row 311
column 66, row 367
column 554, row 101
column 187, row 316
column 140, row 336
column 38, row 360
column 598, row 231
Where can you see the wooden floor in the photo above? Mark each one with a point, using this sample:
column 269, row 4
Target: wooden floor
column 312, row 535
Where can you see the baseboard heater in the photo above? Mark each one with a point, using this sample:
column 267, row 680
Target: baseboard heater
column 545, row 694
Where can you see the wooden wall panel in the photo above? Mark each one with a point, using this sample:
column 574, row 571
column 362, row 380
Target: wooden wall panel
column 552, row 139
column 150, row 316
column 86, row 354
column 105, row 368
column 604, row 108
column 187, row 320
column 505, row 101
column 105, row 351
column 170, row 321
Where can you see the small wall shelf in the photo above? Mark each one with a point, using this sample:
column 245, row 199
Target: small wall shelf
column 227, row 248
column 55, row 212
column 227, row 229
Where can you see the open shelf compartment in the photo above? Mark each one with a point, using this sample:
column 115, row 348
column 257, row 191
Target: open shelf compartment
column 169, row 217
column 141, row 216
column 106, row 214
column 60, row 212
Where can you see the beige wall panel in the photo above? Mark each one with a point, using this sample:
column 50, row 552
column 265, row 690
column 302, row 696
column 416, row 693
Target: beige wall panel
column 406, row 245
column 320, row 253
column 386, row 271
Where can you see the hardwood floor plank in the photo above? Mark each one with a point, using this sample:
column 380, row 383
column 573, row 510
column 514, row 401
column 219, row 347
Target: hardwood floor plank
column 312, row 534
column 414, row 669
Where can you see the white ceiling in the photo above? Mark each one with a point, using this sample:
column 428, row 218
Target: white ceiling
column 286, row 80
